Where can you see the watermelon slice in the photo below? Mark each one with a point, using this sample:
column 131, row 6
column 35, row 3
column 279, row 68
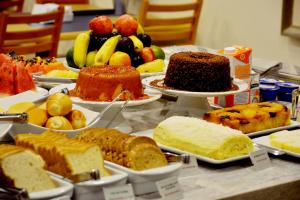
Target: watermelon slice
column 23, row 80
column 7, row 73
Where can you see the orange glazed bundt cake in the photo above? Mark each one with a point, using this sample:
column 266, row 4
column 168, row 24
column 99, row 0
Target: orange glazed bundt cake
column 104, row 83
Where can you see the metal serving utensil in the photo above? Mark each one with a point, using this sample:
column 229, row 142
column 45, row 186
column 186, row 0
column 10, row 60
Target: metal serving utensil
column 295, row 100
column 77, row 178
column 271, row 150
column 12, row 193
column 171, row 157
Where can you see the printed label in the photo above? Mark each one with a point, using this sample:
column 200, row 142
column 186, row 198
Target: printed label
column 124, row 192
column 260, row 159
column 169, row 189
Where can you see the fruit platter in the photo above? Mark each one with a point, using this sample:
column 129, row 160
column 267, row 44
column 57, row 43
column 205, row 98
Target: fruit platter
column 123, row 43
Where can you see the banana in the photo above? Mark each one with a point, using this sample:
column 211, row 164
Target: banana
column 90, row 58
column 81, row 45
column 140, row 29
column 138, row 45
column 107, row 49
column 157, row 65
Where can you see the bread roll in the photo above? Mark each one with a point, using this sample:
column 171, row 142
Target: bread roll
column 58, row 104
column 37, row 116
column 77, row 119
column 58, row 123
column 21, row 107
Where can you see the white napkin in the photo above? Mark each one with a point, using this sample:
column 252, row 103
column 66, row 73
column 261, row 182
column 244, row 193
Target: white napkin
column 51, row 7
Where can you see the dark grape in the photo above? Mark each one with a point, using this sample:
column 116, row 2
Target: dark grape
column 146, row 39
column 136, row 60
column 96, row 41
column 125, row 45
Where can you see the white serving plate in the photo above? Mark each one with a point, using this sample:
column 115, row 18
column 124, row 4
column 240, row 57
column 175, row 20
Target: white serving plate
column 43, row 78
column 143, row 182
column 240, row 83
column 64, row 189
column 264, row 141
column 149, row 133
column 272, row 130
column 6, row 102
column 91, row 120
column 153, row 96
column 92, row 190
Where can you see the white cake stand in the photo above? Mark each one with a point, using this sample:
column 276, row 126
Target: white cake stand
column 195, row 103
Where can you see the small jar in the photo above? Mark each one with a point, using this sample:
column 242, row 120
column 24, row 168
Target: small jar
column 285, row 91
column 268, row 92
column 268, row 81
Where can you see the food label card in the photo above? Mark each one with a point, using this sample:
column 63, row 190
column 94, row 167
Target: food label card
column 124, row 192
column 169, row 189
column 191, row 168
column 260, row 159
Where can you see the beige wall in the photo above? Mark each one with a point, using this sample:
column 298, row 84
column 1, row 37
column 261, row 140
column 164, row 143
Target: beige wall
column 253, row 23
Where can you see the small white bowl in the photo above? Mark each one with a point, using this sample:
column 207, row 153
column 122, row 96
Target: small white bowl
column 91, row 120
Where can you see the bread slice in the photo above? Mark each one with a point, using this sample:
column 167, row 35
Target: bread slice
column 23, row 168
column 67, row 157
column 202, row 138
column 135, row 152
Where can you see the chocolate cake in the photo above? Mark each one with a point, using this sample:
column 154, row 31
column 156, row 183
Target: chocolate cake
column 198, row 72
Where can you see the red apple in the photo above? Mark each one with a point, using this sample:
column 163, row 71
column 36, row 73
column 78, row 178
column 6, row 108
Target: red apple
column 101, row 25
column 147, row 54
column 126, row 25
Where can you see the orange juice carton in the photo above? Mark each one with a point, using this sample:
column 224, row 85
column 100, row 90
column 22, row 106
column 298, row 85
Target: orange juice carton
column 240, row 68
column 240, row 60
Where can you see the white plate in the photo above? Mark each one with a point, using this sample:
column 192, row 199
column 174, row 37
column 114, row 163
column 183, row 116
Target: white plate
column 91, row 120
column 264, row 141
column 149, row 133
column 240, row 83
column 143, row 182
column 64, row 188
column 41, row 77
column 153, row 96
column 271, row 130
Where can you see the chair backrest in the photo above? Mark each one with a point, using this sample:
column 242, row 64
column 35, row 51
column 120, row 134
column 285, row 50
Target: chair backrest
column 64, row 1
column 8, row 4
column 175, row 25
column 41, row 38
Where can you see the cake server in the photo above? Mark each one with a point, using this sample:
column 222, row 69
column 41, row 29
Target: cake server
column 12, row 193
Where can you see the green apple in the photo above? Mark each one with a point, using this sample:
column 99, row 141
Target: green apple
column 158, row 52
column 157, row 65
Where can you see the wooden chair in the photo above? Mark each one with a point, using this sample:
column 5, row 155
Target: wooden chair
column 64, row 1
column 8, row 4
column 173, row 28
column 43, row 38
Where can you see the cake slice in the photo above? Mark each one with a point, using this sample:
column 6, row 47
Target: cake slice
column 202, row 138
column 288, row 140
column 23, row 168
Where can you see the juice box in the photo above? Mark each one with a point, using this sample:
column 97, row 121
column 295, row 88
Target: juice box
column 240, row 68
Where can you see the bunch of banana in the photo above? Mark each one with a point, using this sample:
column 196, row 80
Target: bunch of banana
column 81, row 45
column 107, row 49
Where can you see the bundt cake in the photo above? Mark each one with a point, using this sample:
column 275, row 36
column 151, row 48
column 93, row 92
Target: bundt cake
column 104, row 83
column 198, row 72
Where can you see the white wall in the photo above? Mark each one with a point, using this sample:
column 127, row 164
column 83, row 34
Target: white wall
column 253, row 23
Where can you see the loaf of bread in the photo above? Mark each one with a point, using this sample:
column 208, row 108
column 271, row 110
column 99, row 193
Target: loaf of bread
column 138, row 153
column 22, row 168
column 64, row 156
column 251, row 117
column 287, row 140
column 58, row 104
column 202, row 138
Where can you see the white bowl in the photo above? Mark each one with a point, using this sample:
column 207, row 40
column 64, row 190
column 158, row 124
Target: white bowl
column 64, row 189
column 91, row 120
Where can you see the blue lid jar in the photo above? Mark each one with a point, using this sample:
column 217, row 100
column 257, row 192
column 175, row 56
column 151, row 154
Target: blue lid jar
column 268, row 92
column 267, row 81
column 286, row 87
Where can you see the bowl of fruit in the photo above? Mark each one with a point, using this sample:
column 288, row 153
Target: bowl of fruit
column 122, row 43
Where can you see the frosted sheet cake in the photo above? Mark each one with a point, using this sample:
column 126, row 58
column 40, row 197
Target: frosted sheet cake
column 287, row 140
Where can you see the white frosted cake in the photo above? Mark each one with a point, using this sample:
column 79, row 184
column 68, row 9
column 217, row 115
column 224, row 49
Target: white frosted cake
column 202, row 138
column 288, row 140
